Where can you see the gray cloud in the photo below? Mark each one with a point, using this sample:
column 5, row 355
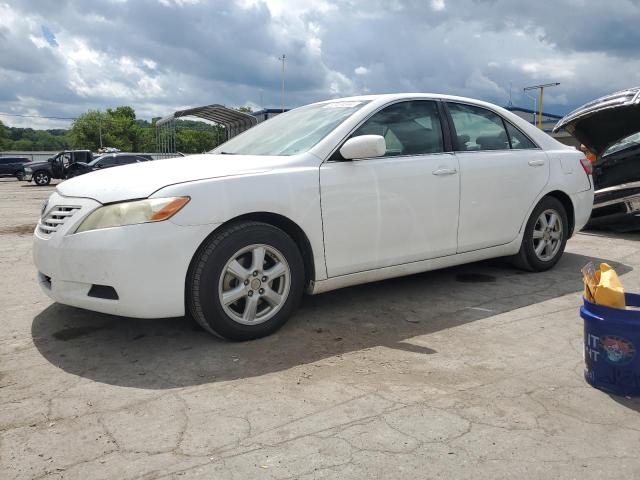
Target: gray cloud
column 63, row 57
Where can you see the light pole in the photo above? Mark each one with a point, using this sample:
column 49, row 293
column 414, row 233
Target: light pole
column 282, row 58
column 541, row 88
column 100, row 126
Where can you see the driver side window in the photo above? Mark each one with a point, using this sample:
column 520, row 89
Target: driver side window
column 409, row 128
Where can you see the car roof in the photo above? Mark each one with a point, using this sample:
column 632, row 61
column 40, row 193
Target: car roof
column 400, row 96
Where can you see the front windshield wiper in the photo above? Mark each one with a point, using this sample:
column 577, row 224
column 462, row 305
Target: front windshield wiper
column 226, row 153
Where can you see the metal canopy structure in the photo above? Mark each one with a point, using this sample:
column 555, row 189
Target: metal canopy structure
column 233, row 121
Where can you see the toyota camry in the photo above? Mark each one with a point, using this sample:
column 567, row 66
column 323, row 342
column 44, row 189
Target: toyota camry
column 325, row 196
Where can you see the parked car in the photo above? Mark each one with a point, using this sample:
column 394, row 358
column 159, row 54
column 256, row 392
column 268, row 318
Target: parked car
column 105, row 161
column 332, row 194
column 12, row 167
column 41, row 172
column 609, row 127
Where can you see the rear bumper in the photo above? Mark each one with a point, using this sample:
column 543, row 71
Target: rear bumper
column 622, row 213
column 582, row 205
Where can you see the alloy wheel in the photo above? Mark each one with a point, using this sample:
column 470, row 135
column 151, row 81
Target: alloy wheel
column 41, row 179
column 547, row 235
column 254, row 284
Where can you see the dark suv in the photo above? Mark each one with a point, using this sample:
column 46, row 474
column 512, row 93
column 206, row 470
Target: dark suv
column 13, row 167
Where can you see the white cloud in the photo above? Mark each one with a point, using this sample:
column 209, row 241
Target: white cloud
column 361, row 70
column 438, row 5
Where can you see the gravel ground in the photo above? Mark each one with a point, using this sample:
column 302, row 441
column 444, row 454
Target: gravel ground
column 470, row 372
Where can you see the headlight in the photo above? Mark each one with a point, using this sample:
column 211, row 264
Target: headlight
column 27, row 170
column 131, row 213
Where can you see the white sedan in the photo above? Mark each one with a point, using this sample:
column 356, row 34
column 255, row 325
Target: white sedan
column 325, row 196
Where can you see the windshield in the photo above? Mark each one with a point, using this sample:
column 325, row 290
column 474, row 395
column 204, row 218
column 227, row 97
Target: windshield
column 630, row 141
column 292, row 132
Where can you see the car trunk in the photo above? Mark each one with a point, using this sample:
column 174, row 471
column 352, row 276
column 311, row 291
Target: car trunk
column 602, row 123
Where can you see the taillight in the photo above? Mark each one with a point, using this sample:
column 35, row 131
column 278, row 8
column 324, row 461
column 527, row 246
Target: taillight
column 587, row 166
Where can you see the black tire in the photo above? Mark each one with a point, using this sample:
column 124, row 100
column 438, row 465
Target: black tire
column 527, row 259
column 207, row 270
column 41, row 178
column 19, row 175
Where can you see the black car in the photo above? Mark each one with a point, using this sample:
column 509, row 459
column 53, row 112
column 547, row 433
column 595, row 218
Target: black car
column 610, row 128
column 41, row 172
column 13, row 166
column 107, row 160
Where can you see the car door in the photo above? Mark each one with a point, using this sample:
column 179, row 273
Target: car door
column 502, row 172
column 5, row 166
column 395, row 209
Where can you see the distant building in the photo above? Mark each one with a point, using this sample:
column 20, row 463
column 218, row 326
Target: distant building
column 548, row 122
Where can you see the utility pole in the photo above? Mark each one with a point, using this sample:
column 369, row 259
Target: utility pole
column 283, row 58
column 541, row 89
column 100, row 126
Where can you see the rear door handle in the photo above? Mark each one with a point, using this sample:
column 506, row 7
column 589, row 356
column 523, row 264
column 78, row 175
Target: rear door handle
column 536, row 163
column 445, row 171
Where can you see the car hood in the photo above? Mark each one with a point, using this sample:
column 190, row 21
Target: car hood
column 140, row 180
column 605, row 121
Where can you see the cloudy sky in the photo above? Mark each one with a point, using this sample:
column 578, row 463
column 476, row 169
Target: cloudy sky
column 63, row 57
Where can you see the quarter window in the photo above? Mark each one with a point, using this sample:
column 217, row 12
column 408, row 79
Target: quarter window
column 518, row 139
column 478, row 128
column 409, row 128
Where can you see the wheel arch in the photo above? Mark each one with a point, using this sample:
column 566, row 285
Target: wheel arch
column 285, row 224
column 565, row 199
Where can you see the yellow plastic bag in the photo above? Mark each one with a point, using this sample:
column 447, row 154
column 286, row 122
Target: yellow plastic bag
column 602, row 286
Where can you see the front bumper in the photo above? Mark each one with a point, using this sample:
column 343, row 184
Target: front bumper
column 28, row 175
column 145, row 264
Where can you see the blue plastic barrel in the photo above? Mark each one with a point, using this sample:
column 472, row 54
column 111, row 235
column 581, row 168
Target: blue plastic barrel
column 611, row 344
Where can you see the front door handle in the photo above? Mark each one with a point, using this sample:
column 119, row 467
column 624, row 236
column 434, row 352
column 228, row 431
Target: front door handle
column 536, row 163
column 445, row 171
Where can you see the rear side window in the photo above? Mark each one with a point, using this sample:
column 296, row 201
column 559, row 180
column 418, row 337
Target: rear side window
column 107, row 161
column 409, row 128
column 518, row 139
column 124, row 160
column 478, row 128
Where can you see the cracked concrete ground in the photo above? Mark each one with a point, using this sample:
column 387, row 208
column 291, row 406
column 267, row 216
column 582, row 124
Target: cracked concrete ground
column 471, row 372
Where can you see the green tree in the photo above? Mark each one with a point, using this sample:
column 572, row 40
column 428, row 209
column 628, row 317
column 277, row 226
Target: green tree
column 117, row 126
column 85, row 130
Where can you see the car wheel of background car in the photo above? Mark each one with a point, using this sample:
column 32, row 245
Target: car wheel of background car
column 19, row 175
column 41, row 178
column 545, row 236
column 245, row 281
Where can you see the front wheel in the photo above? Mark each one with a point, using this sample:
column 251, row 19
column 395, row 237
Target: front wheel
column 545, row 236
column 41, row 178
column 245, row 281
column 19, row 175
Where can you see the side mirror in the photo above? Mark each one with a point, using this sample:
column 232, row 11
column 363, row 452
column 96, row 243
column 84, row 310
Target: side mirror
column 364, row 146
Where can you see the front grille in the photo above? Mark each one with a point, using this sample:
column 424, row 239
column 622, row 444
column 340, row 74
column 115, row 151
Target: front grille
column 56, row 217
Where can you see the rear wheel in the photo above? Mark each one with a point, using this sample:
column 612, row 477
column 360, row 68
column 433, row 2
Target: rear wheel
column 245, row 281
column 545, row 236
column 41, row 178
column 19, row 175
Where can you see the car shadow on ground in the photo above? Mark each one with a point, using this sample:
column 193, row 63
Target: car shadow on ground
column 169, row 353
